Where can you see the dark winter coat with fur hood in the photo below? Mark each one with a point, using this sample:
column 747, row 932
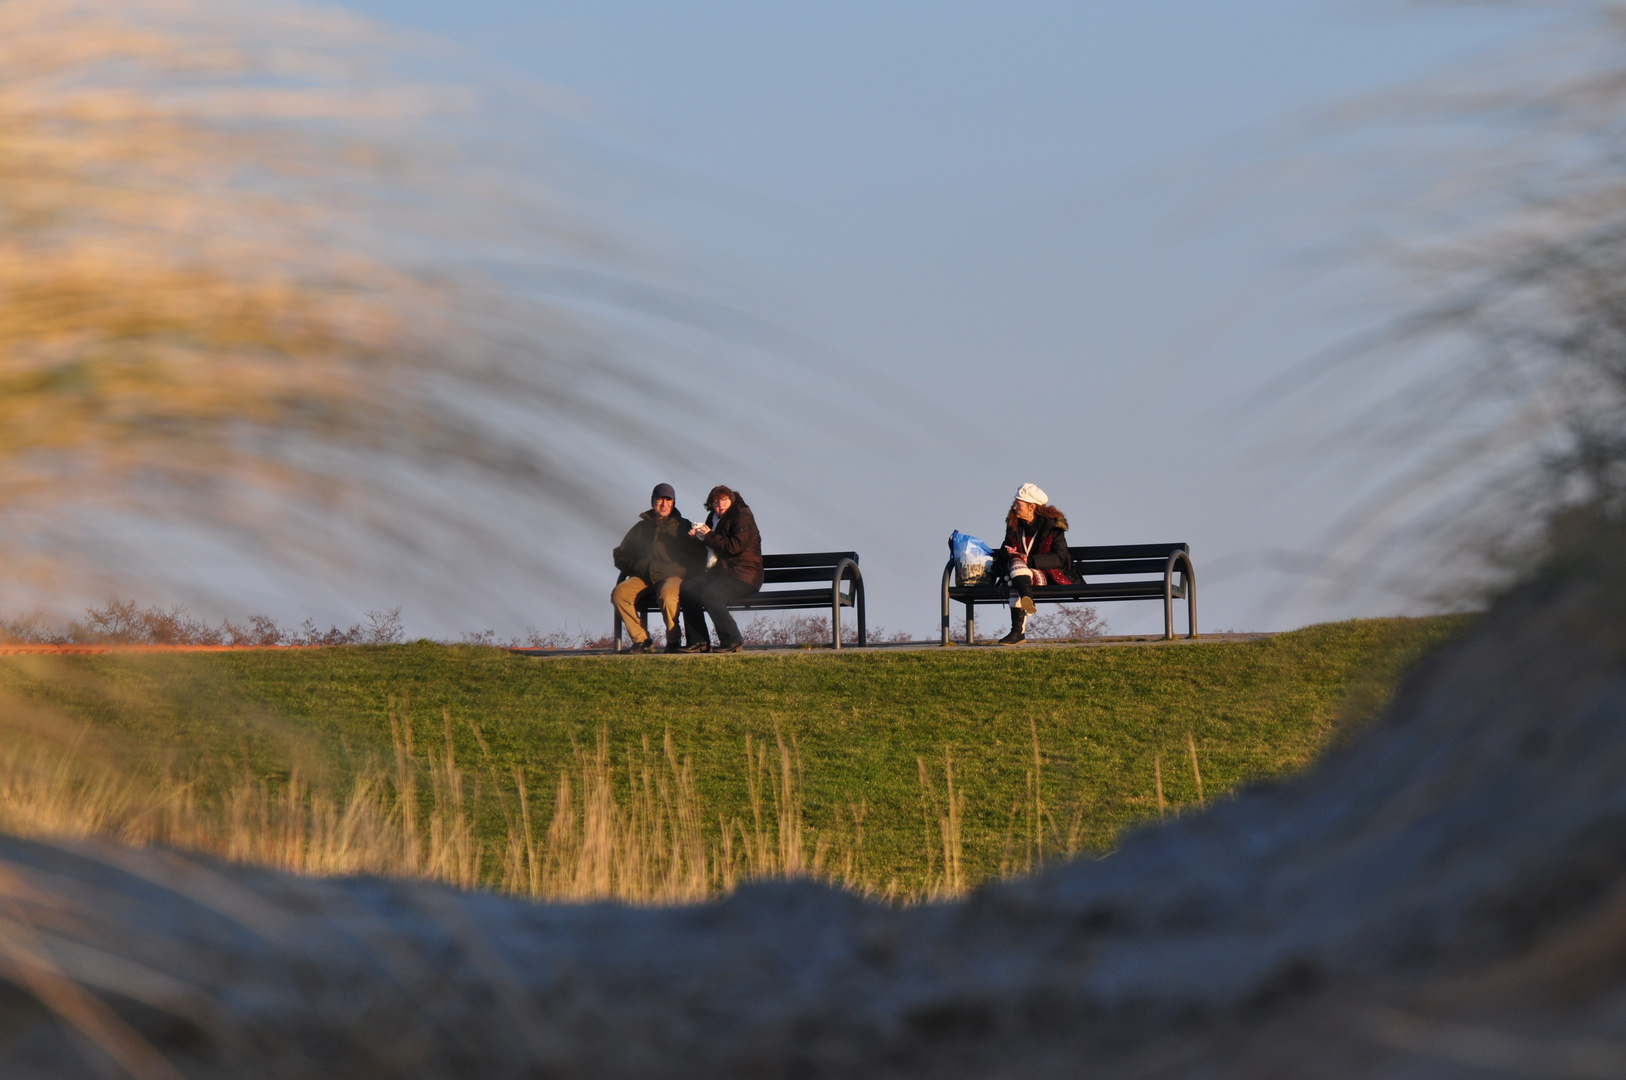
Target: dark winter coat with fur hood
column 1045, row 541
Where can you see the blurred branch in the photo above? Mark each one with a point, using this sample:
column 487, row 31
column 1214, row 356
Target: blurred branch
column 1500, row 386
column 246, row 277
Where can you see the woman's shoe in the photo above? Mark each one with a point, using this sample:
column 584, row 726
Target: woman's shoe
column 730, row 648
column 699, row 646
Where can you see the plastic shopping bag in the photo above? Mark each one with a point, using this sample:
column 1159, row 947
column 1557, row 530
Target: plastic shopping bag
column 973, row 559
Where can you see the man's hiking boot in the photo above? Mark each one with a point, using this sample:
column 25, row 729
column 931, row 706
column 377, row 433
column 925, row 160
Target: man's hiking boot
column 1019, row 623
column 639, row 647
column 699, row 646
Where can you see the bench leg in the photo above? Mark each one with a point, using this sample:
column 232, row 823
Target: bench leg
column 615, row 632
column 970, row 623
column 835, row 626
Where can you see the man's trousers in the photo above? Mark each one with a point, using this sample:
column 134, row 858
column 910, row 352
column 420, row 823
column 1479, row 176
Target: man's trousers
column 625, row 596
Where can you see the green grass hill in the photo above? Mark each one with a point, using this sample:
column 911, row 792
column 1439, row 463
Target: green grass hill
column 1109, row 723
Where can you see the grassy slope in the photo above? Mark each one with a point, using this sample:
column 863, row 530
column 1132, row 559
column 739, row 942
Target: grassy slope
column 1255, row 709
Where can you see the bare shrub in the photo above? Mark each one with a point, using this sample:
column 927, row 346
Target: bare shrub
column 380, row 628
column 27, row 629
column 124, row 622
column 536, row 639
column 1065, row 622
column 987, row 630
column 261, row 630
column 809, row 630
column 558, row 639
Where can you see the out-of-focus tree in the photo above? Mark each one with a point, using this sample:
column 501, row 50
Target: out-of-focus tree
column 252, row 276
column 1496, row 399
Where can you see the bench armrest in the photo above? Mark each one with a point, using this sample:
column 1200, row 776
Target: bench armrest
column 1188, row 585
column 844, row 568
column 855, row 593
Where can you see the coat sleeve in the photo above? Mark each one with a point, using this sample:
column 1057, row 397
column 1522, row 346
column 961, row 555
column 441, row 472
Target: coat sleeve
column 690, row 550
column 739, row 539
column 626, row 553
column 1057, row 558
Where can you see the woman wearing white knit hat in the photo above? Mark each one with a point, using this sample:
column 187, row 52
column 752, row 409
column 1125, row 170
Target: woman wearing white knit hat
column 1034, row 553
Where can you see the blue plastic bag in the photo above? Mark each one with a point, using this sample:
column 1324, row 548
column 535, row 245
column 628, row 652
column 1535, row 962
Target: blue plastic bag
column 972, row 559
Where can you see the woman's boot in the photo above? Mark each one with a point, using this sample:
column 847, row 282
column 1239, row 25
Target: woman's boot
column 1019, row 623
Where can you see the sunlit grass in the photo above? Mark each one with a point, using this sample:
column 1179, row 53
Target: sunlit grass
column 1052, row 752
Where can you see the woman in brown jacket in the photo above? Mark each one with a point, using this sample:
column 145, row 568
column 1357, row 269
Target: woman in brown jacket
column 730, row 531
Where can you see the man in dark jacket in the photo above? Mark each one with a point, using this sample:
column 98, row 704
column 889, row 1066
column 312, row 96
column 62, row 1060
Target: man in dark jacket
column 656, row 554
column 730, row 532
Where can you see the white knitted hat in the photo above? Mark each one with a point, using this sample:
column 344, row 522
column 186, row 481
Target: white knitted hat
column 1031, row 494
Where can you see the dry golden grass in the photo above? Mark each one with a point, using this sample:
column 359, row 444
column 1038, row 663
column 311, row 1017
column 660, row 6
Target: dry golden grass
column 630, row 832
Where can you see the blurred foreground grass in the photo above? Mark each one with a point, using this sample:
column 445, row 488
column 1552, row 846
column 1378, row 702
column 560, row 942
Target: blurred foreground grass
column 869, row 737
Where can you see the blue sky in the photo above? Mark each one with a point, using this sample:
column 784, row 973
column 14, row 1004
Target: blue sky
column 1058, row 243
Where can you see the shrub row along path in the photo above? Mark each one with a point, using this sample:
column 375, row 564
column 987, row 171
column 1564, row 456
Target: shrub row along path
column 1109, row 723
column 1443, row 897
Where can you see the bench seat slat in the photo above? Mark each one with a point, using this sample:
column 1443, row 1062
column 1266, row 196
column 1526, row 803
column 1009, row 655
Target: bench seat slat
column 1111, row 590
column 768, row 598
column 1086, row 567
column 774, row 575
column 1127, row 551
column 789, row 598
column 826, row 559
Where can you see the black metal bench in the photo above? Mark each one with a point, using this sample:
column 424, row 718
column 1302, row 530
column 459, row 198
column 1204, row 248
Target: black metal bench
column 830, row 568
column 1140, row 561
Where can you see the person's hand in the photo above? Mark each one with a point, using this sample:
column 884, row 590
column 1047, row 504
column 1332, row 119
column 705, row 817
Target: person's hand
column 699, row 530
column 1012, row 550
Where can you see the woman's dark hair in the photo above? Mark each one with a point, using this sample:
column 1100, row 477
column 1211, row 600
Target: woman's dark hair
column 733, row 496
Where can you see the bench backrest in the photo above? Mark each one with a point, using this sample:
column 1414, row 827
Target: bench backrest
column 1124, row 558
column 808, row 566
